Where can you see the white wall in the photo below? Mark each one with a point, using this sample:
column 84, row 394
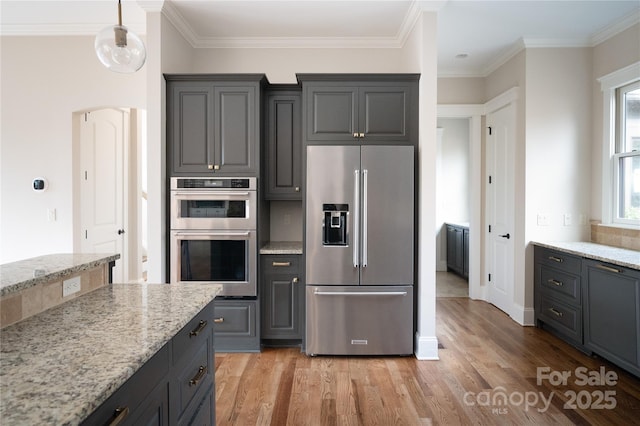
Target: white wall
column 44, row 81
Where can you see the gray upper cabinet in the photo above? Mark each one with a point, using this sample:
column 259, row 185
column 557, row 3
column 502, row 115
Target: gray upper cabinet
column 364, row 109
column 283, row 132
column 213, row 124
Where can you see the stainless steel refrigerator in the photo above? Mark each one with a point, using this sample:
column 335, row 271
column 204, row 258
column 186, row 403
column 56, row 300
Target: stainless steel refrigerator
column 359, row 247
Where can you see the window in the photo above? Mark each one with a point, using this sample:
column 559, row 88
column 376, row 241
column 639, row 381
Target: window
column 626, row 159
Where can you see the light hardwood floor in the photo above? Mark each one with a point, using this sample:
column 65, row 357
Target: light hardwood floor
column 484, row 355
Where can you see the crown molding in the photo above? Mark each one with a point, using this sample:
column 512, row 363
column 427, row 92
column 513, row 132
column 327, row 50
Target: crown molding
column 616, row 27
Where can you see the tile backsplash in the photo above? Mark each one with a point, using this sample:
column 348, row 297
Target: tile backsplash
column 615, row 236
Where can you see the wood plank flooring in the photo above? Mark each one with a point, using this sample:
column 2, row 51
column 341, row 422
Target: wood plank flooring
column 486, row 375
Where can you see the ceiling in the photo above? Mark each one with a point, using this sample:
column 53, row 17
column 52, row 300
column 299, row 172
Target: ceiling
column 487, row 32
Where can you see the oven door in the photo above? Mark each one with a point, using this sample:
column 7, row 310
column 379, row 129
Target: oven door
column 223, row 257
column 213, row 209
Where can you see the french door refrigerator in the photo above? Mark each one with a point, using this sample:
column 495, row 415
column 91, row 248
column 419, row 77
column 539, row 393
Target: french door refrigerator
column 359, row 247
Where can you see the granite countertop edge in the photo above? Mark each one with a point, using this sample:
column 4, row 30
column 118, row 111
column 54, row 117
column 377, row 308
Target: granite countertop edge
column 69, row 370
column 282, row 247
column 51, row 267
column 610, row 254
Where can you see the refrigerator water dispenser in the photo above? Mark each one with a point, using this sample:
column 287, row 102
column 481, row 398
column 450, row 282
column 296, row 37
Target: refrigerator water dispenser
column 334, row 225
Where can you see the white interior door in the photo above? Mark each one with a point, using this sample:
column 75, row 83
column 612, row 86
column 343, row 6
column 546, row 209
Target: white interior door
column 500, row 207
column 102, row 141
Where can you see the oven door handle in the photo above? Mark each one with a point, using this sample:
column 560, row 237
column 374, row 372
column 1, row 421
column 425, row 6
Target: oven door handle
column 209, row 193
column 211, row 233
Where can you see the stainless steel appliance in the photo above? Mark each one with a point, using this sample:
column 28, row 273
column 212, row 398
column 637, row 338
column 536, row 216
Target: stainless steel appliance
column 359, row 247
column 213, row 233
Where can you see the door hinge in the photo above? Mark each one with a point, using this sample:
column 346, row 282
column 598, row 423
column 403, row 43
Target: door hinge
column 489, row 179
column 489, row 130
column 86, row 116
column 86, row 234
column 85, row 175
column 489, row 277
column 489, row 228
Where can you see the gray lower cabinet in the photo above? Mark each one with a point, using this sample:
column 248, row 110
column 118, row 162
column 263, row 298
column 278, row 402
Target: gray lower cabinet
column 283, row 132
column 360, row 108
column 175, row 387
column 558, row 293
column 282, row 299
column 612, row 313
column 213, row 124
column 458, row 250
column 236, row 325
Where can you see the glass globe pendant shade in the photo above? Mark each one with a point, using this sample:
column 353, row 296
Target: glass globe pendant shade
column 119, row 50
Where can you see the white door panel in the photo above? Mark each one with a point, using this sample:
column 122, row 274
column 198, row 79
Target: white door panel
column 500, row 207
column 102, row 137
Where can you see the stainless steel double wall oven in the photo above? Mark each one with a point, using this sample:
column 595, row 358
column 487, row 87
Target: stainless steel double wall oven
column 213, row 232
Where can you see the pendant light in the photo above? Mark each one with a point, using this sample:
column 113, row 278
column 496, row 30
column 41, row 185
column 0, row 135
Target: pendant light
column 118, row 49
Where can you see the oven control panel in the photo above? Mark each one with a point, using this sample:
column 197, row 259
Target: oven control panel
column 213, row 183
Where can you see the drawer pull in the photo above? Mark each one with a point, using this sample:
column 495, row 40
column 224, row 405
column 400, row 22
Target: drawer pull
column 218, row 320
column 199, row 375
column 556, row 259
column 201, row 325
column 556, row 313
column 554, row 282
column 119, row 415
column 609, row 269
column 280, row 263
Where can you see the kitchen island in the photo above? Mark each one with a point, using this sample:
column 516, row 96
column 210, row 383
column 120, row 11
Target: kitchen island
column 60, row 365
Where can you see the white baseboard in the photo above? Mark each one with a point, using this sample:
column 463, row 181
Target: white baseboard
column 523, row 316
column 426, row 348
column 441, row 266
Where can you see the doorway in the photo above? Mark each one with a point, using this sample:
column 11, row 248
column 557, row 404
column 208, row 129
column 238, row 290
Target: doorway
column 108, row 187
column 459, row 195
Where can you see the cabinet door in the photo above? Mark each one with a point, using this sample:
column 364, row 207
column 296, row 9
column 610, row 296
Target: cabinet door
column 190, row 134
column 281, row 298
column 465, row 254
column 284, row 147
column 331, row 113
column 612, row 313
column 384, row 113
column 236, row 137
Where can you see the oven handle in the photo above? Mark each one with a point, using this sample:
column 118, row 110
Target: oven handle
column 209, row 193
column 211, row 233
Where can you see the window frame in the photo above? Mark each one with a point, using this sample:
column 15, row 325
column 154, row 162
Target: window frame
column 610, row 84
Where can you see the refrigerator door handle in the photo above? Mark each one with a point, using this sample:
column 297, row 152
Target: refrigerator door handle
column 365, row 212
column 356, row 217
column 359, row 293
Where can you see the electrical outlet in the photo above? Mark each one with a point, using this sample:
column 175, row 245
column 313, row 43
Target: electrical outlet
column 543, row 219
column 568, row 220
column 70, row 286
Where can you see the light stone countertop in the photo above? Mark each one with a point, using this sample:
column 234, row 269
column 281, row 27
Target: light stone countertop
column 282, row 247
column 20, row 275
column 58, row 366
column 617, row 256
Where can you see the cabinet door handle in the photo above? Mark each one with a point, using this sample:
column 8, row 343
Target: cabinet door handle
column 297, row 189
column 556, row 312
column 361, row 135
column 609, row 269
column 199, row 375
column 210, row 166
column 355, row 134
column 201, row 325
column 555, row 259
column 295, row 280
column 218, row 320
column 554, row 282
column 119, row 414
column 275, row 263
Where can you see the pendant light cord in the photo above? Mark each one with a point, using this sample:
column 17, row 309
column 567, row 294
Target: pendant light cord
column 119, row 13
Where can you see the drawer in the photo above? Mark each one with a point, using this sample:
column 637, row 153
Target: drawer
column 194, row 334
column 192, row 376
column 561, row 316
column 237, row 318
column 281, row 264
column 559, row 260
column 560, row 283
